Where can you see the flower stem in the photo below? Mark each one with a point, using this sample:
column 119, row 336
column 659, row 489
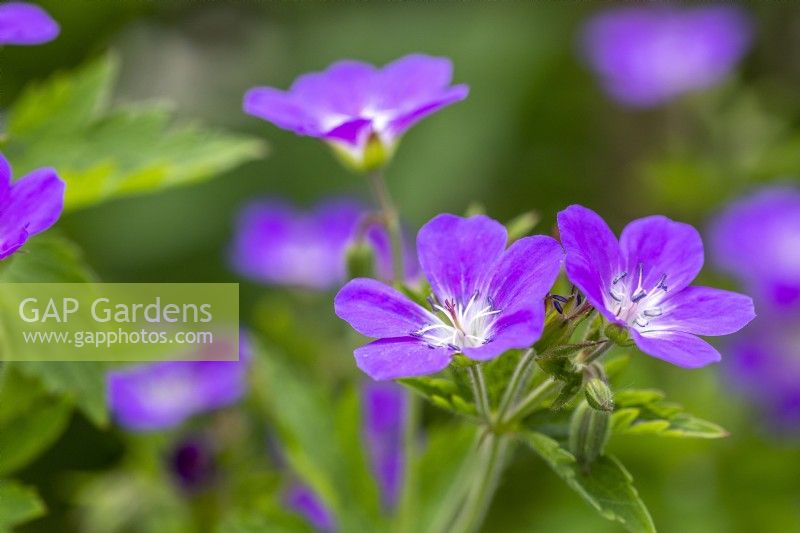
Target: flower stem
column 491, row 460
column 515, row 384
column 530, row 401
column 480, row 393
column 392, row 221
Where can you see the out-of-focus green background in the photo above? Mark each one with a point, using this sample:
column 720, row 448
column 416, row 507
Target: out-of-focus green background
column 536, row 132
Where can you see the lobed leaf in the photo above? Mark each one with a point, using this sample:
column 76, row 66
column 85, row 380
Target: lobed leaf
column 644, row 412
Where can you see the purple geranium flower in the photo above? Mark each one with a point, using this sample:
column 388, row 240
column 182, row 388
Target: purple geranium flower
column 352, row 103
column 764, row 365
column 385, row 410
column 642, row 281
column 304, row 501
column 757, row 239
column 486, row 299
column 648, row 55
column 22, row 23
column 28, row 206
column 165, row 394
column 275, row 243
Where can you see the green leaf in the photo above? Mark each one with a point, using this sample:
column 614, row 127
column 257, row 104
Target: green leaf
column 446, row 392
column 18, row 504
column 26, row 436
column 46, row 259
column 644, row 412
column 82, row 382
column 102, row 152
column 608, row 487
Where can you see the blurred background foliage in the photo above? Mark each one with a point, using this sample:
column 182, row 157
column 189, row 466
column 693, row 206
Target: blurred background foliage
column 536, row 132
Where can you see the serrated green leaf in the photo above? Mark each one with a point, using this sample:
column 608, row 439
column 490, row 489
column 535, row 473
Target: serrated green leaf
column 18, row 504
column 83, row 382
column 103, row 153
column 644, row 412
column 24, row 437
column 608, row 487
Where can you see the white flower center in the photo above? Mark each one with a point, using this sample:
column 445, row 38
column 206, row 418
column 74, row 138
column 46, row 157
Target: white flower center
column 633, row 304
column 459, row 326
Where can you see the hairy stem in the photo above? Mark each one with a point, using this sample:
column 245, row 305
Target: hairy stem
column 491, row 460
column 516, row 383
column 480, row 393
column 534, row 398
column 392, row 221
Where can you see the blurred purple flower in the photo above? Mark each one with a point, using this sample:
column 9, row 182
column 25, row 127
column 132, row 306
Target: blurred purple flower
column 163, row 395
column 23, row 24
column 649, row 55
column 277, row 244
column 764, row 365
column 385, row 410
column 193, row 463
column 28, row 206
column 352, row 104
column 641, row 282
column 306, row 503
column 757, row 239
column 486, row 299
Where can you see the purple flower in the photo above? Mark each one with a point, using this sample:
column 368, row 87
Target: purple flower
column 649, row 55
column 23, row 23
column 757, row 239
column 486, row 299
column 764, row 365
column 355, row 106
column 193, row 463
column 385, row 410
column 305, row 502
column 642, row 281
column 163, row 395
column 28, row 206
column 277, row 244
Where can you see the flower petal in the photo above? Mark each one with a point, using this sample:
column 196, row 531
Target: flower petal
column 706, row 311
column 281, row 109
column 662, row 246
column 341, row 89
column 401, row 123
column 457, row 254
column 410, row 81
column 526, row 272
column 377, row 310
column 22, row 23
column 516, row 330
column 401, row 358
column 385, row 408
column 676, row 347
column 593, row 255
column 36, row 200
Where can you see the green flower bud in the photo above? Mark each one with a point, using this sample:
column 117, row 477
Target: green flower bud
column 588, row 433
column 599, row 395
column 618, row 335
column 360, row 260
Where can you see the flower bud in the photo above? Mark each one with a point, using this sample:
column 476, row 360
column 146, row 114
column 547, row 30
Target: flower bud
column 360, row 260
column 618, row 335
column 588, row 433
column 599, row 395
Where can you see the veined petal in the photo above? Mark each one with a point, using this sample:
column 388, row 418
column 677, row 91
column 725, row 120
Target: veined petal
column 457, row 254
column 526, row 272
column 401, row 358
column 593, row 255
column 706, row 311
column 676, row 347
column 518, row 329
column 662, row 246
column 377, row 310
